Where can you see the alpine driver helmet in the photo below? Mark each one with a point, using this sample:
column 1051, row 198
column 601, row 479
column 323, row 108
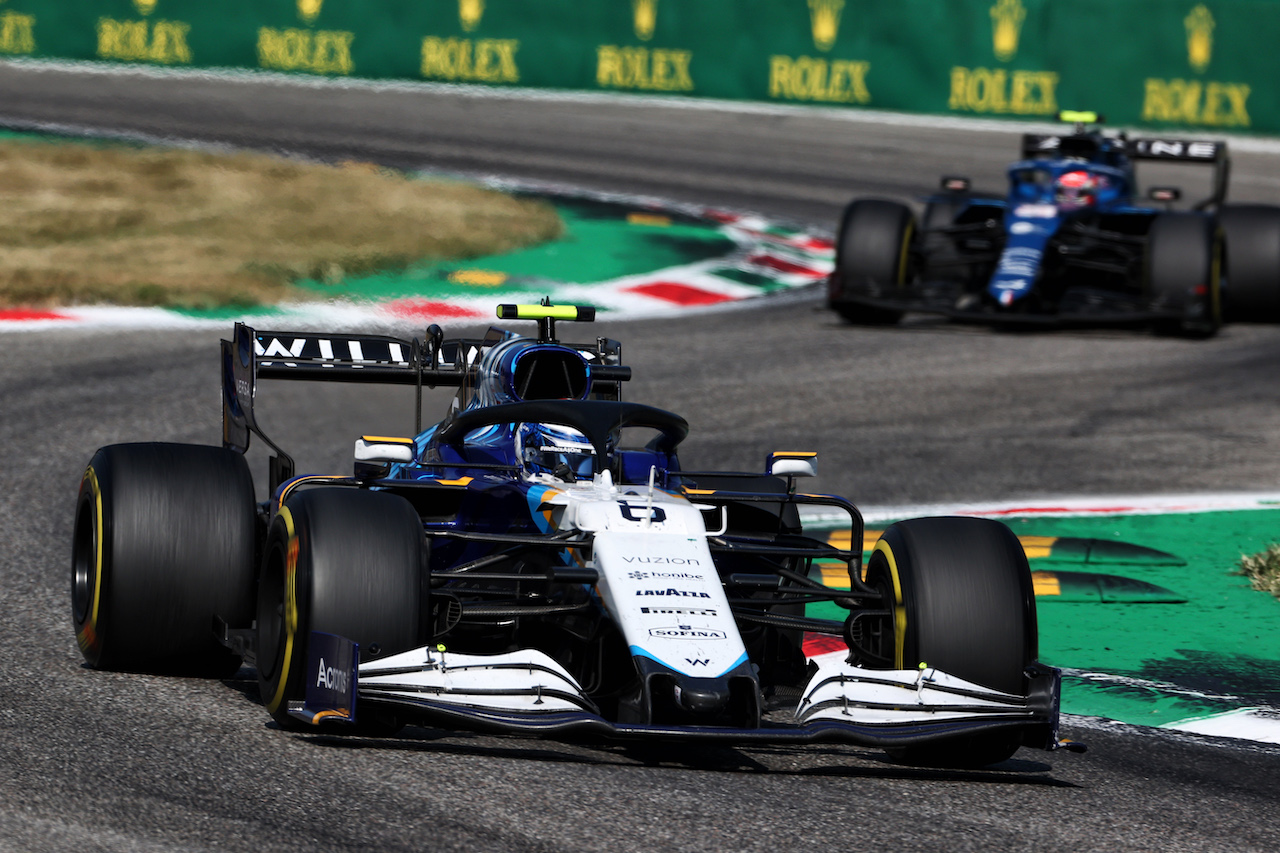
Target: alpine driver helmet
column 558, row 451
column 1076, row 189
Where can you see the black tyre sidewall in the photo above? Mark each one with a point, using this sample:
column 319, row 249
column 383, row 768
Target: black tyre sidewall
column 344, row 562
column 1184, row 254
column 1252, row 234
column 164, row 541
column 967, row 598
column 873, row 245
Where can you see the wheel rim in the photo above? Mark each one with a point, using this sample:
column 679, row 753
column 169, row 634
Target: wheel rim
column 83, row 561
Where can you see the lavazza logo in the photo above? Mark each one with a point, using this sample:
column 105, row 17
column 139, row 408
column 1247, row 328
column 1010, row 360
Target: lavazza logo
column 673, row 593
column 687, row 632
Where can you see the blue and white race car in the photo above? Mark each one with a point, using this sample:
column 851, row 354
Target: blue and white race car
column 1069, row 243
column 541, row 562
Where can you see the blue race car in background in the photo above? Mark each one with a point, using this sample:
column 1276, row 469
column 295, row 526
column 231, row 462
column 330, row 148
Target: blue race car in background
column 1069, row 244
column 541, row 562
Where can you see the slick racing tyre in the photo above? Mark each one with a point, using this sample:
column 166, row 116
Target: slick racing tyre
column 873, row 257
column 1252, row 234
column 346, row 562
column 163, row 543
column 1184, row 273
column 963, row 603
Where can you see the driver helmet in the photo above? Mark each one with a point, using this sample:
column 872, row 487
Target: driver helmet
column 1076, row 189
column 559, row 451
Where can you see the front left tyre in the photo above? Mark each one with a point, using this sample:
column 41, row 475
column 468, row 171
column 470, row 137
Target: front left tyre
column 163, row 543
column 960, row 600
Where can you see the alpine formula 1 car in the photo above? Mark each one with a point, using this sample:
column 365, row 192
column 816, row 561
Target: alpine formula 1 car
column 1070, row 243
column 540, row 562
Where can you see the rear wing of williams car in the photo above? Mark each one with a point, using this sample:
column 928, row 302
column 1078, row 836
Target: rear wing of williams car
column 374, row 359
column 1089, row 146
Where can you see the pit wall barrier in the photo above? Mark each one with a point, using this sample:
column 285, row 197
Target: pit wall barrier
column 1160, row 63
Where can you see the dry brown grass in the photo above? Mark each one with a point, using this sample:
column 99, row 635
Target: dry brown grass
column 1263, row 570
column 82, row 224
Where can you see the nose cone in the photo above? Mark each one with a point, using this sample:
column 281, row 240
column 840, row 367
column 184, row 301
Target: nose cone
column 702, row 696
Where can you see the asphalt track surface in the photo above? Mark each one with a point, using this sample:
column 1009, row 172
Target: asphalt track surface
column 923, row 413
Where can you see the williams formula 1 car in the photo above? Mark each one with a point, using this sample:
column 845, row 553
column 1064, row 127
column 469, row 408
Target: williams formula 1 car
column 540, row 562
column 1070, row 243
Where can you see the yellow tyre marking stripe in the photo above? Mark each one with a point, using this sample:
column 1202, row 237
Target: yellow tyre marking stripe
column 290, row 608
column 89, row 632
column 899, row 607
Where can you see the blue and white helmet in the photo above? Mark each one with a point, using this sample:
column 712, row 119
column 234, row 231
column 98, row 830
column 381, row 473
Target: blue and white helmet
column 559, row 451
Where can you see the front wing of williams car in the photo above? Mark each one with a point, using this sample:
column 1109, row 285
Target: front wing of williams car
column 577, row 582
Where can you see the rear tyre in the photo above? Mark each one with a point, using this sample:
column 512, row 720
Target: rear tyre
column 1184, row 274
column 163, row 543
column 873, row 257
column 964, row 604
column 1252, row 234
column 345, row 562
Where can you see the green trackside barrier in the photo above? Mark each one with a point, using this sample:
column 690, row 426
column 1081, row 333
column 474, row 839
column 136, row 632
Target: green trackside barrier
column 1207, row 64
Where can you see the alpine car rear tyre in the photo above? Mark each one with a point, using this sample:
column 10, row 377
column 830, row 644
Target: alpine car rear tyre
column 1252, row 234
column 873, row 257
column 963, row 603
column 163, row 543
column 1184, row 273
column 342, row 561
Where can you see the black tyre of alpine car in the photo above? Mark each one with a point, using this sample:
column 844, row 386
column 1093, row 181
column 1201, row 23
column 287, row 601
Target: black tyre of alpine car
column 1184, row 273
column 873, row 255
column 1252, row 234
column 342, row 561
column 963, row 603
column 164, row 542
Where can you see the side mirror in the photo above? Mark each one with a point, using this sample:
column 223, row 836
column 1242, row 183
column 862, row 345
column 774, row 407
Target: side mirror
column 376, row 453
column 793, row 464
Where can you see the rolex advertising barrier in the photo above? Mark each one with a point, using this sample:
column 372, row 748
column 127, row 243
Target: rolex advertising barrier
column 1211, row 64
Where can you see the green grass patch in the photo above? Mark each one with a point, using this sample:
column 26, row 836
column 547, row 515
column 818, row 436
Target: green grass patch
column 122, row 225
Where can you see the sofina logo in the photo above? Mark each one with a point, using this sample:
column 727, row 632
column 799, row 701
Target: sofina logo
column 144, row 7
column 1006, row 26
column 824, row 15
column 645, row 14
column 469, row 14
column 308, row 10
column 1199, row 38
